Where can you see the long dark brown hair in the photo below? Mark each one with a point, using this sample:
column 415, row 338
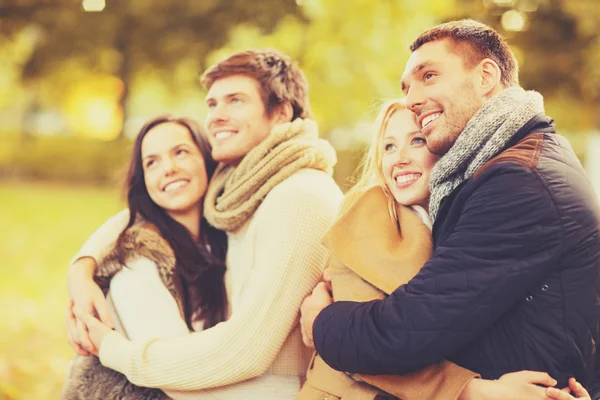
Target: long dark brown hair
column 200, row 264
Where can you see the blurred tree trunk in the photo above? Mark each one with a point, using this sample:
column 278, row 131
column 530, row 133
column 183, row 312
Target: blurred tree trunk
column 125, row 70
column 30, row 114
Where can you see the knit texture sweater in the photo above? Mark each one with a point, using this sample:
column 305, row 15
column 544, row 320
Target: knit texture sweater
column 273, row 262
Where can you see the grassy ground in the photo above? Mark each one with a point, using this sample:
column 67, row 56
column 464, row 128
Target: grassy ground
column 42, row 226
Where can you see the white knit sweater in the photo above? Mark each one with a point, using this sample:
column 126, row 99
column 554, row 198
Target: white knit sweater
column 273, row 262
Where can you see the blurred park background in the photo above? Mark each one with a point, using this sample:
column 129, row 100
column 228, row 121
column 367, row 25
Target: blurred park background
column 79, row 78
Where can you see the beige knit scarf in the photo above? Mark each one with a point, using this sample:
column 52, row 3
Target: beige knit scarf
column 235, row 193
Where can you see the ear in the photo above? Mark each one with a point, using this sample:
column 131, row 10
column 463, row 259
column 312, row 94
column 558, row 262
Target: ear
column 490, row 78
column 284, row 113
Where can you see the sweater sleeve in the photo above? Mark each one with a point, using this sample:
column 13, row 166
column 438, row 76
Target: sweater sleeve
column 288, row 262
column 104, row 238
column 507, row 237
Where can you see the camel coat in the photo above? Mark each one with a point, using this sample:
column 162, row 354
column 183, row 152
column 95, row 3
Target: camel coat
column 371, row 257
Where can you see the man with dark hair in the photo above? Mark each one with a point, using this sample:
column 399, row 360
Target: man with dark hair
column 514, row 279
column 274, row 196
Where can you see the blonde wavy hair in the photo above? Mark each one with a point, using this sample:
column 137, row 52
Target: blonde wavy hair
column 371, row 171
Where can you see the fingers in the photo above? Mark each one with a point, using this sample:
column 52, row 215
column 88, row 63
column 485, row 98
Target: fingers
column 531, row 377
column 541, row 378
column 321, row 291
column 557, row 394
column 101, row 307
column 83, row 337
column 72, row 335
column 78, row 349
column 577, row 389
column 310, row 309
column 327, row 279
column 320, row 287
column 306, row 337
column 85, row 318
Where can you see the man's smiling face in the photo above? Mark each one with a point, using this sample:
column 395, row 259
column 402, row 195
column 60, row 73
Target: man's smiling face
column 237, row 120
column 441, row 90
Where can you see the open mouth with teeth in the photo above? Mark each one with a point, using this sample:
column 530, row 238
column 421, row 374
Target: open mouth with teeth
column 224, row 135
column 175, row 185
column 405, row 180
column 429, row 119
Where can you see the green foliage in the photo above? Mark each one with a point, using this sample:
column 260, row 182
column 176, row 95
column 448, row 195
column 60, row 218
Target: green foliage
column 127, row 37
column 353, row 52
column 65, row 159
column 155, row 33
column 43, row 226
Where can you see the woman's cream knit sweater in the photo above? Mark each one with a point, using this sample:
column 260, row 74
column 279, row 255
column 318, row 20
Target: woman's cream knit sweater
column 273, row 262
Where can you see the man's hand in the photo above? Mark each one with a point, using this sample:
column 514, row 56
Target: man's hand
column 573, row 392
column 310, row 309
column 86, row 298
column 514, row 386
column 528, row 377
column 96, row 329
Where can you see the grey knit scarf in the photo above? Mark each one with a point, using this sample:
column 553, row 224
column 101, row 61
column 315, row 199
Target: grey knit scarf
column 486, row 134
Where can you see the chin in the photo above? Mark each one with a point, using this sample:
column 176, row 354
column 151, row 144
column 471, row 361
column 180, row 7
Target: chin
column 222, row 158
column 437, row 147
column 227, row 157
column 401, row 199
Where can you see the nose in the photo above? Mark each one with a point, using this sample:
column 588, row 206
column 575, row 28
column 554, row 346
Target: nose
column 217, row 113
column 169, row 165
column 403, row 156
column 415, row 98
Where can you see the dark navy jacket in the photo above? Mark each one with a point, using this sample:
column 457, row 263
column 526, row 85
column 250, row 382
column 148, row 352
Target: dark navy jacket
column 513, row 283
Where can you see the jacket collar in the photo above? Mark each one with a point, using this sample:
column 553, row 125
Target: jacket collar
column 366, row 240
column 538, row 123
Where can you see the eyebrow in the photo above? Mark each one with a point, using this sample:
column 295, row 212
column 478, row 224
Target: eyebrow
column 227, row 96
column 171, row 149
column 414, row 71
column 410, row 134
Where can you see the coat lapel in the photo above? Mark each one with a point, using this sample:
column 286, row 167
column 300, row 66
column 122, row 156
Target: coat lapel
column 367, row 241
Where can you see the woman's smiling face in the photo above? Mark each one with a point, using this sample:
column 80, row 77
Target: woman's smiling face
column 174, row 169
column 406, row 161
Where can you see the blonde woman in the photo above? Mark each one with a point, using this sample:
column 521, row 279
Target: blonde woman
column 380, row 241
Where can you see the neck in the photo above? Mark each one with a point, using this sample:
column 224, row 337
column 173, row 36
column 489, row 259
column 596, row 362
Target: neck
column 423, row 213
column 189, row 219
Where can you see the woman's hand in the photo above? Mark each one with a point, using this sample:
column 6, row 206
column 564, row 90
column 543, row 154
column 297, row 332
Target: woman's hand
column 97, row 331
column 520, row 385
column 86, row 298
column 573, row 392
column 312, row 305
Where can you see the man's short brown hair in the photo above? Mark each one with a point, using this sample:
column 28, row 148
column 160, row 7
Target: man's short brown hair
column 280, row 80
column 475, row 41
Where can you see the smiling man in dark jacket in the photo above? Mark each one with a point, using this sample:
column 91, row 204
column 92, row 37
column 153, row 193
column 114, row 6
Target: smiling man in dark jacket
column 513, row 283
